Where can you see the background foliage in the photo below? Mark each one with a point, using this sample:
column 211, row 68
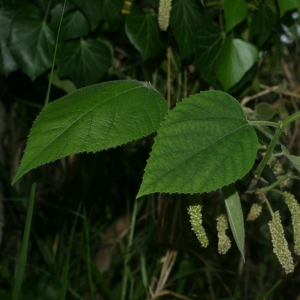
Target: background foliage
column 82, row 245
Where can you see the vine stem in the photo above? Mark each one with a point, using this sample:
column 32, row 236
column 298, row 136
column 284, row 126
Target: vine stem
column 290, row 119
column 268, row 154
column 269, row 207
column 271, row 186
column 264, row 123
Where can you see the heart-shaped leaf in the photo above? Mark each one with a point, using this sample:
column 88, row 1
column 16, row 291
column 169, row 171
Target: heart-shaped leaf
column 235, row 216
column 91, row 119
column 205, row 143
column 74, row 23
column 235, row 59
column 209, row 40
column 185, row 20
column 143, row 32
column 84, row 61
column 92, row 9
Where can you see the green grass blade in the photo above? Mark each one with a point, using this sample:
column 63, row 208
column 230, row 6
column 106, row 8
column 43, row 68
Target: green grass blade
column 24, row 249
column 67, row 264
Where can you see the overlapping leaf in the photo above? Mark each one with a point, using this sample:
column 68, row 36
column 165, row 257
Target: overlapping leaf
column 111, row 9
column 235, row 216
column 263, row 24
column 32, row 44
column 204, row 144
column 74, row 23
column 186, row 19
column 91, row 119
column 92, row 9
column 235, row 59
column 208, row 41
column 143, row 32
column 84, row 61
column 235, row 12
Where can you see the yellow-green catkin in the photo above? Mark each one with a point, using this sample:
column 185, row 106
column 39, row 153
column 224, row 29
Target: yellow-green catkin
column 294, row 208
column 255, row 211
column 194, row 211
column 224, row 242
column 164, row 11
column 280, row 245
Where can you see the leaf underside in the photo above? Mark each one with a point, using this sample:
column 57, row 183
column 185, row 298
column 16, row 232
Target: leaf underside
column 91, row 119
column 204, row 144
column 235, row 216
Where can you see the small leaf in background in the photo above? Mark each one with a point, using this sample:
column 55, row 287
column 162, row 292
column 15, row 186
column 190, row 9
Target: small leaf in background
column 74, row 23
column 295, row 160
column 265, row 111
column 7, row 61
column 263, row 24
column 91, row 119
column 92, row 9
column 143, row 32
column 32, row 44
column 235, row 59
column 235, row 216
column 83, row 61
column 66, row 85
column 285, row 5
column 235, row 12
column 209, row 40
column 204, row 143
column 185, row 20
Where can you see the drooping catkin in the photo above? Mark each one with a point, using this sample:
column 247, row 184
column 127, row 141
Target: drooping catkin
column 294, row 208
column 254, row 212
column 280, row 245
column 164, row 11
column 256, row 207
column 194, row 210
column 224, row 242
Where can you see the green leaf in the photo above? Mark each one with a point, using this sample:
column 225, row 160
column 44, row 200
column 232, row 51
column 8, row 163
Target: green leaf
column 295, row 160
column 263, row 24
column 235, row 216
column 143, row 32
column 209, row 41
column 204, row 143
column 84, row 61
column 91, row 119
column 235, row 59
column 235, row 12
column 285, row 5
column 265, row 111
column 7, row 61
column 74, row 24
column 185, row 20
column 111, row 9
column 32, row 44
column 92, row 9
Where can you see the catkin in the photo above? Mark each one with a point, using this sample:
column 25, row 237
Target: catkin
column 194, row 211
column 294, row 208
column 255, row 211
column 164, row 11
column 280, row 245
column 224, row 242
